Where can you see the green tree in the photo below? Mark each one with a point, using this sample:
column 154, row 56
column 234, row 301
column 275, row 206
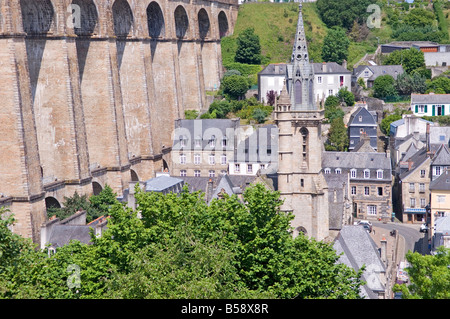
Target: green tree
column 335, row 46
column 101, row 203
column 406, row 84
column 429, row 276
column 259, row 115
column 343, row 13
column 248, row 47
column 439, row 85
column 385, row 124
column 344, row 95
column 419, row 17
column 332, row 108
column 235, row 86
column 384, row 87
column 411, row 59
column 337, row 136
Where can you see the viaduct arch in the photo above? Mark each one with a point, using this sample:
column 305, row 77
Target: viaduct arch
column 94, row 89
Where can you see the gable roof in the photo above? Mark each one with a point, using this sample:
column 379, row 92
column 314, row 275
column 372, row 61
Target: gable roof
column 359, row 249
column 442, row 156
column 431, row 98
column 378, row 70
column 366, row 117
column 416, row 160
column 274, row 69
column 442, row 182
column 370, row 160
column 330, row 68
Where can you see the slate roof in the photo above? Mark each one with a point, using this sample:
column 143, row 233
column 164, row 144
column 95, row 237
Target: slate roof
column 442, row 156
column 204, row 129
column 63, row 234
column 439, row 134
column 417, row 159
column 430, row 98
column 443, row 224
column 161, row 183
column 359, row 249
column 274, row 69
column 336, row 183
column 360, row 161
column 259, row 147
column 442, row 182
column 367, row 118
column 331, row 67
column 379, row 70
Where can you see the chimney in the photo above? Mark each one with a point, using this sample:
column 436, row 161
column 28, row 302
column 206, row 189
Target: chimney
column 209, row 190
column 324, row 67
column 344, row 63
column 428, row 137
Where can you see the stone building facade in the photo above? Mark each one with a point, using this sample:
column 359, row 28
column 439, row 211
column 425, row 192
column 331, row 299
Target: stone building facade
column 91, row 90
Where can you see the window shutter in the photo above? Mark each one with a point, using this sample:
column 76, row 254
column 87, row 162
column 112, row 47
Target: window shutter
column 426, row 108
column 417, row 108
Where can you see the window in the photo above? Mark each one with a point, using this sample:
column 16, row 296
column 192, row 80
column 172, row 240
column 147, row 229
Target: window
column 212, row 141
column 411, row 187
column 319, row 79
column 341, row 81
column 422, row 203
column 360, row 118
column 353, row 173
column 237, row 168
column 212, row 173
column 337, row 171
column 197, row 173
column 380, row 191
column 422, row 173
column 437, row 170
column 330, row 92
column 380, row 174
column 212, row 159
column 327, row 171
column 353, row 190
column 366, row 173
column 302, row 182
column 182, row 159
column 262, row 166
column 412, row 202
column 440, row 198
column 182, row 141
column 224, row 142
column 422, row 187
column 197, row 159
column 372, row 210
column 223, row 159
column 366, row 190
column 249, row 168
column 198, row 142
column 183, row 172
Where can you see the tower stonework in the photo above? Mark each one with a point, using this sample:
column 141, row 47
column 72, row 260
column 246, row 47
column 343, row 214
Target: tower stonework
column 300, row 180
column 91, row 92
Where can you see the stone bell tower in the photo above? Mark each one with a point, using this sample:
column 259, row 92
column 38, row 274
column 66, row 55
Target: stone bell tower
column 300, row 179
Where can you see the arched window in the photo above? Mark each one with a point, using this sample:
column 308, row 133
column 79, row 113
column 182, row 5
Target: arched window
column 298, row 92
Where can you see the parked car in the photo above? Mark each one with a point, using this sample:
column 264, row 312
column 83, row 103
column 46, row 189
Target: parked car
column 366, row 224
column 423, row 228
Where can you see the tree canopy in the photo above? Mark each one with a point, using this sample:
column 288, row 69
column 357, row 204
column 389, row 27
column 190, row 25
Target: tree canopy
column 248, row 47
column 177, row 246
column 411, row 59
column 335, row 46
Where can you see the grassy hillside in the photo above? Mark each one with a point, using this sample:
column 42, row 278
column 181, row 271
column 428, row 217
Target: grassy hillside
column 275, row 24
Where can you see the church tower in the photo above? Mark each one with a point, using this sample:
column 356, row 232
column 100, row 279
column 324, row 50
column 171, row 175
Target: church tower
column 300, row 179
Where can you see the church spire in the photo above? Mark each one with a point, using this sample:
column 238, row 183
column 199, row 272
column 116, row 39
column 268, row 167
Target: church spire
column 302, row 84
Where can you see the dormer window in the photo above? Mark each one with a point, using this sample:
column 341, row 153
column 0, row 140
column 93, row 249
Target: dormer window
column 353, row 173
column 327, row 170
column 212, row 141
column 337, row 171
column 198, row 142
column 366, row 173
column 380, row 174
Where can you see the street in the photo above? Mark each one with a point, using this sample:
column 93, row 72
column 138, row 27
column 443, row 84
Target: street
column 414, row 240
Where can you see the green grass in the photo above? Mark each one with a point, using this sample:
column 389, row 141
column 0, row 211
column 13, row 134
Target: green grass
column 275, row 24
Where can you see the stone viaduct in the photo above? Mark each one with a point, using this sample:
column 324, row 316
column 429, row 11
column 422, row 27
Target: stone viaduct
column 91, row 89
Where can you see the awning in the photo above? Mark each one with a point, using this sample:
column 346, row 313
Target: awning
column 415, row 211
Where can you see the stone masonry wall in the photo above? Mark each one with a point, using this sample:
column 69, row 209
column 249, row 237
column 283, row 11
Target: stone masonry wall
column 91, row 91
